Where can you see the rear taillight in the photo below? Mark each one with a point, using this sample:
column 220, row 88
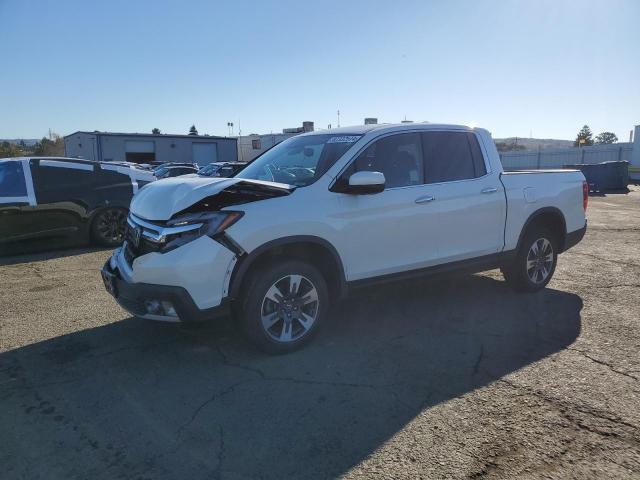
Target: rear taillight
column 585, row 195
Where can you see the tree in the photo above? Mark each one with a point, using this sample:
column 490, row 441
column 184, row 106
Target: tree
column 49, row 148
column 605, row 138
column 193, row 130
column 8, row 149
column 156, row 131
column 584, row 138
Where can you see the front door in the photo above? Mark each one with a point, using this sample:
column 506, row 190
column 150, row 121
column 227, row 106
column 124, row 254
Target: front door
column 391, row 231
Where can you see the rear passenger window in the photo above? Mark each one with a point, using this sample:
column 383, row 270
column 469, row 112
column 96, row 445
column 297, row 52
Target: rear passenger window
column 12, row 183
column 398, row 157
column 57, row 181
column 451, row 156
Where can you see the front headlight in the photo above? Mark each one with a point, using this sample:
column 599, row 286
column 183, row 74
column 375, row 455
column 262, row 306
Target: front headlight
column 195, row 225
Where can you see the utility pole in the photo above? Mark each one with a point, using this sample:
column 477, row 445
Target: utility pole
column 338, row 118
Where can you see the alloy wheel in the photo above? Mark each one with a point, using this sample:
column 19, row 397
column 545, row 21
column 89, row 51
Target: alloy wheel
column 289, row 308
column 540, row 260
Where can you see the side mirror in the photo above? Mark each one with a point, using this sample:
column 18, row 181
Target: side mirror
column 363, row 183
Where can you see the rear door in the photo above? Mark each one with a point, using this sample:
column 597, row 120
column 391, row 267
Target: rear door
column 469, row 197
column 65, row 193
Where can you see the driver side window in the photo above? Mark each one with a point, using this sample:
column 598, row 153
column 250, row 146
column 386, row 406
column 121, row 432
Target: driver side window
column 398, row 157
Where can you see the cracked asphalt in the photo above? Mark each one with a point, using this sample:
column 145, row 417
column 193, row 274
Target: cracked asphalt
column 454, row 377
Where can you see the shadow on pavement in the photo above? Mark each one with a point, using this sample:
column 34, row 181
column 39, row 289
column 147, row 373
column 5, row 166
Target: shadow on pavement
column 41, row 253
column 136, row 399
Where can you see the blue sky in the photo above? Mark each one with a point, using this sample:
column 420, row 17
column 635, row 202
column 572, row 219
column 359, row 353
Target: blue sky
column 514, row 67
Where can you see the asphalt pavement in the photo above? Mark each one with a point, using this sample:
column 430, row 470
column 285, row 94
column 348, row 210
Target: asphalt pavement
column 455, row 377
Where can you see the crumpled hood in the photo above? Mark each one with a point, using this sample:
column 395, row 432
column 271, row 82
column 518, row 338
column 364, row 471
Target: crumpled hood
column 161, row 199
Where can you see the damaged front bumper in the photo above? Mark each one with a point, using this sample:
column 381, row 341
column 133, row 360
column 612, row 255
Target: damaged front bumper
column 194, row 282
column 158, row 302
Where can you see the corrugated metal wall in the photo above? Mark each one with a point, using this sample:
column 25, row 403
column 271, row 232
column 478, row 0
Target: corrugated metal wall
column 533, row 159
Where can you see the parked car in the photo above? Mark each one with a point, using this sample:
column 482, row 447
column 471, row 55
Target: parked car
column 222, row 169
column 169, row 171
column 277, row 246
column 155, row 165
column 50, row 198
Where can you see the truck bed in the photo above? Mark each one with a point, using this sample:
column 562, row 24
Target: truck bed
column 528, row 191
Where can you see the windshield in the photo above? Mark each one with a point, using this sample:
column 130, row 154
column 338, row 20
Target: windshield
column 209, row 169
column 300, row 160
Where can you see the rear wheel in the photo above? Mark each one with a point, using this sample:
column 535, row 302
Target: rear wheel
column 535, row 262
column 108, row 227
column 285, row 304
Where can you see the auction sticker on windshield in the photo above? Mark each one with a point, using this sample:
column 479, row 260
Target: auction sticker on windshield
column 344, row 139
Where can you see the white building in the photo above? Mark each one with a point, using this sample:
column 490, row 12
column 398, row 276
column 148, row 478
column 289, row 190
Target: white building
column 250, row 146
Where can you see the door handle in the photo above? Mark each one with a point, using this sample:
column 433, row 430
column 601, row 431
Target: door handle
column 489, row 190
column 425, row 199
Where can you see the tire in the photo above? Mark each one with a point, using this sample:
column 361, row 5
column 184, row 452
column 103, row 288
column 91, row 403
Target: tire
column 535, row 261
column 278, row 318
column 108, row 227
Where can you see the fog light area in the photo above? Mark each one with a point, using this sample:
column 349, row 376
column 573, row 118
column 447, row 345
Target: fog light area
column 160, row 307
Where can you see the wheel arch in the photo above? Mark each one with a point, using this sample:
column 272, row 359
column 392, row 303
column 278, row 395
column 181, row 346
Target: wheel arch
column 550, row 217
column 316, row 250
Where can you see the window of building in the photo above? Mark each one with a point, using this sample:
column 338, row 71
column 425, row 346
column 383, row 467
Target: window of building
column 256, row 144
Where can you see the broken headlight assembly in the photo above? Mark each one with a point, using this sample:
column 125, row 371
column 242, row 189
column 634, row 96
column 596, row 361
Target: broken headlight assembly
column 188, row 227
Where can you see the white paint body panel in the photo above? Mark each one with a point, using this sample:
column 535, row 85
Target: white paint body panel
column 198, row 266
column 561, row 189
column 374, row 234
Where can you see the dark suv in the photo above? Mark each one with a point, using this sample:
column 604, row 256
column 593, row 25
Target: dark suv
column 65, row 198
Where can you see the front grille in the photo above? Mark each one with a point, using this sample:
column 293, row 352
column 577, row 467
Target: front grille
column 150, row 236
column 129, row 256
column 145, row 245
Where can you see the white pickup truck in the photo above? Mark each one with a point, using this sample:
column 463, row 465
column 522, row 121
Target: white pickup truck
column 325, row 212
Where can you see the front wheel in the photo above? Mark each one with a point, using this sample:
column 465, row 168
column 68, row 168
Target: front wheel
column 284, row 305
column 108, row 227
column 535, row 262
